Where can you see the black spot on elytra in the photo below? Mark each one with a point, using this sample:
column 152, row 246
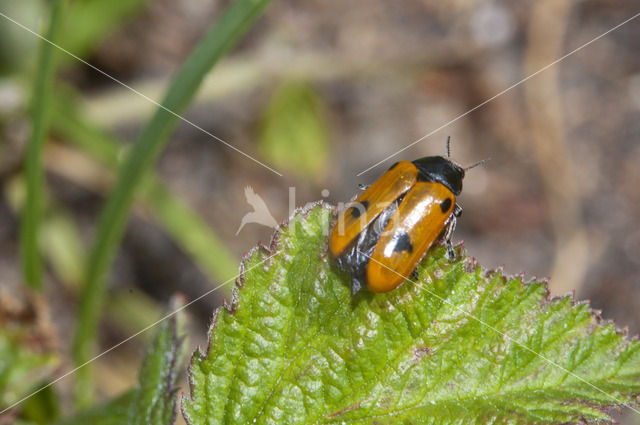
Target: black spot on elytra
column 445, row 205
column 357, row 211
column 403, row 243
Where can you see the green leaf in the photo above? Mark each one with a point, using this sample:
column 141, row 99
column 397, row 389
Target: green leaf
column 458, row 345
column 41, row 408
column 21, row 368
column 154, row 402
column 27, row 355
column 294, row 132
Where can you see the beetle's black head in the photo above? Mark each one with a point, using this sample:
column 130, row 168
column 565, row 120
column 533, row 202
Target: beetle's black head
column 440, row 170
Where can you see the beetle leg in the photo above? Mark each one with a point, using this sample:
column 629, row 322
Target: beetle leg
column 451, row 226
column 356, row 285
column 457, row 210
column 414, row 274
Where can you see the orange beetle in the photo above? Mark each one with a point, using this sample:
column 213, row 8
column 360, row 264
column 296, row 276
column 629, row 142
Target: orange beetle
column 380, row 239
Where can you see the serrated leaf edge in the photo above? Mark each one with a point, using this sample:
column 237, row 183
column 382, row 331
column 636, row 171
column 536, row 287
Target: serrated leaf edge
column 470, row 265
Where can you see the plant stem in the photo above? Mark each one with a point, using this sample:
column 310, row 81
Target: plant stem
column 236, row 20
column 40, row 109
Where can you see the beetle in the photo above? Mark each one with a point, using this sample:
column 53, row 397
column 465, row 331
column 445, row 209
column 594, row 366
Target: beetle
column 387, row 230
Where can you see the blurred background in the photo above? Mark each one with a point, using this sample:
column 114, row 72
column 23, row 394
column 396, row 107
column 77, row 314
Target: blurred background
column 321, row 91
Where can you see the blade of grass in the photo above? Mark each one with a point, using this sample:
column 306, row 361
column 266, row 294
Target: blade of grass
column 217, row 41
column 182, row 223
column 40, row 110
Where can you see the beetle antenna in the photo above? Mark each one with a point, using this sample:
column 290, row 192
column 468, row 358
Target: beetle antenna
column 476, row 164
column 448, row 147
